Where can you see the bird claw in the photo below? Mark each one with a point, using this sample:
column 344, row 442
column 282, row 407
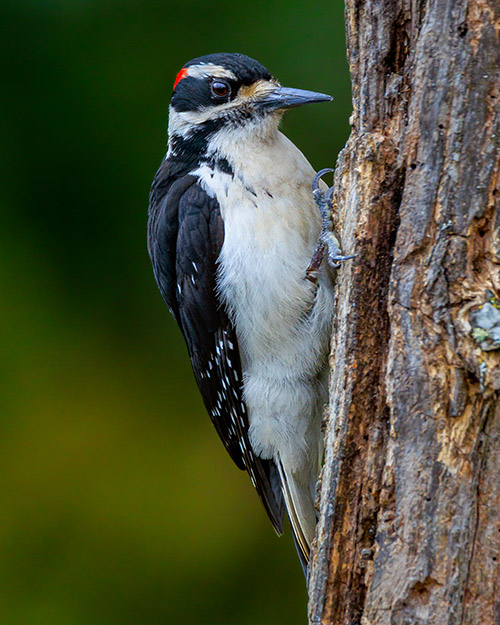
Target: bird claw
column 334, row 254
column 317, row 178
column 337, row 260
column 327, row 240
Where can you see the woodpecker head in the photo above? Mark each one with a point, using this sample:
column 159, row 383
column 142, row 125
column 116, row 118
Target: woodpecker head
column 229, row 97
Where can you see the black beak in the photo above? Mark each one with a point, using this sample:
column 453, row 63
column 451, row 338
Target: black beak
column 286, row 98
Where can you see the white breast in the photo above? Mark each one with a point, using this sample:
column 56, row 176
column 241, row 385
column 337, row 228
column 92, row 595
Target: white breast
column 271, row 226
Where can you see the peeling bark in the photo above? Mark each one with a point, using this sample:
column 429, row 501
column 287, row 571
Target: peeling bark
column 409, row 529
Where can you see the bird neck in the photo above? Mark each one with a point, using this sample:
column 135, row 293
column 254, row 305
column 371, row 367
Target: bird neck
column 193, row 143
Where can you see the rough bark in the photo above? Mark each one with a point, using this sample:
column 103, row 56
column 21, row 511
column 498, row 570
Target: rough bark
column 409, row 529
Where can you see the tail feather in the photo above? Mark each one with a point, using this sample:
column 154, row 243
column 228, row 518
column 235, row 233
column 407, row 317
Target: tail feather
column 300, row 508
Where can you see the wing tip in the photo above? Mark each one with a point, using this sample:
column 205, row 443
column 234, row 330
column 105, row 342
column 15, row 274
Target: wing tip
column 268, row 488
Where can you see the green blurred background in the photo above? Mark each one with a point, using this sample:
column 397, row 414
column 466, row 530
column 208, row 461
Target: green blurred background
column 118, row 503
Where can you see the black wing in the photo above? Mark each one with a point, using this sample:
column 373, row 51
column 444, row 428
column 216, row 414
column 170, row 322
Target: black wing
column 186, row 233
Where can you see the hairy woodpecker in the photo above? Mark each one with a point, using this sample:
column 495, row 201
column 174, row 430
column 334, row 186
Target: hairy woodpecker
column 237, row 243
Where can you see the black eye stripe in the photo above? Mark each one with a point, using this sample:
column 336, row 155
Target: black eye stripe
column 195, row 93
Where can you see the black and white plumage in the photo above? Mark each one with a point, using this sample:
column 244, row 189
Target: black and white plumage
column 232, row 228
column 186, row 233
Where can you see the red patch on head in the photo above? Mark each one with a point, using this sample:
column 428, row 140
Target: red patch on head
column 182, row 74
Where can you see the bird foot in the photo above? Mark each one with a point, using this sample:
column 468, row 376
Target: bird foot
column 327, row 242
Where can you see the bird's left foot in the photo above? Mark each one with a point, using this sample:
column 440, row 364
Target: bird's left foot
column 327, row 242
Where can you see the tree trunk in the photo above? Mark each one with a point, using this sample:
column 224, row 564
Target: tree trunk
column 409, row 529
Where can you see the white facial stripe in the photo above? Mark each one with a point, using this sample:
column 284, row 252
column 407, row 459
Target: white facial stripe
column 181, row 123
column 204, row 70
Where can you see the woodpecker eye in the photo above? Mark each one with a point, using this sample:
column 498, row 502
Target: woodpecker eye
column 220, row 89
